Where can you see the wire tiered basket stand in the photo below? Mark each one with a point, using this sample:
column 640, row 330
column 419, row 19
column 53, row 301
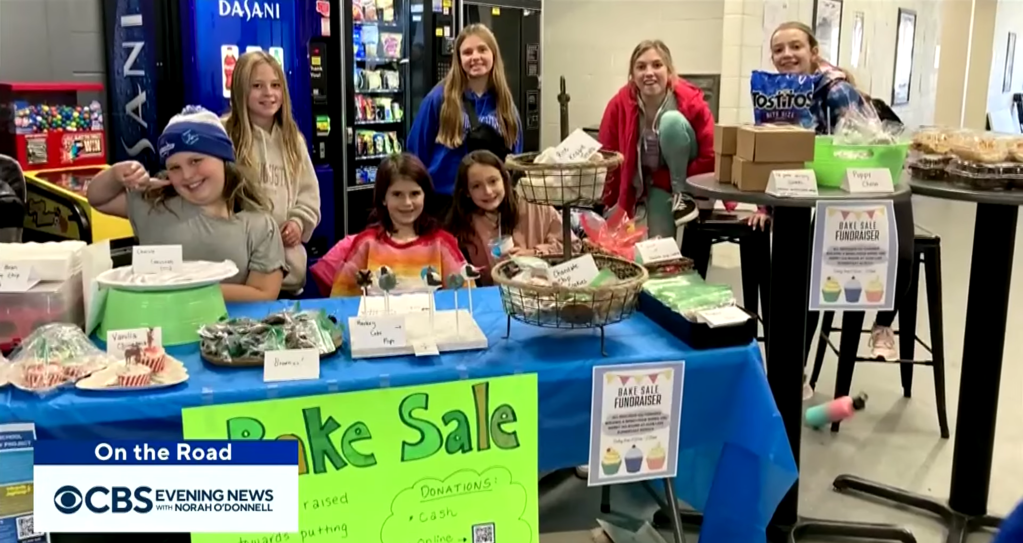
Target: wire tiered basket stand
column 568, row 186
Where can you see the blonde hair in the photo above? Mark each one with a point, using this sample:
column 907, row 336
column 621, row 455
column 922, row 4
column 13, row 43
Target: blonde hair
column 452, row 114
column 661, row 48
column 240, row 193
column 239, row 126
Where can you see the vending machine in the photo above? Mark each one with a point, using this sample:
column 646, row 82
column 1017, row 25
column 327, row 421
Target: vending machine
column 166, row 54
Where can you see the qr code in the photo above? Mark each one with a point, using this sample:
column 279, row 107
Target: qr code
column 26, row 528
column 483, row 533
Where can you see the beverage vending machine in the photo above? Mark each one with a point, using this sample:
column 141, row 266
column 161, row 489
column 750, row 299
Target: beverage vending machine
column 166, row 54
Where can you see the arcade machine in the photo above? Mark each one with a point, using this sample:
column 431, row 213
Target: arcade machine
column 517, row 26
column 58, row 139
column 166, row 54
column 377, row 94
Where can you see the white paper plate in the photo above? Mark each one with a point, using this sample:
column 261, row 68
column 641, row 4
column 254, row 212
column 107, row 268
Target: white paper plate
column 174, row 373
column 193, row 274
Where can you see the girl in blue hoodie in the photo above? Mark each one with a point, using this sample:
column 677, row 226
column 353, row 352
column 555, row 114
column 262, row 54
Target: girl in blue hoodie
column 471, row 110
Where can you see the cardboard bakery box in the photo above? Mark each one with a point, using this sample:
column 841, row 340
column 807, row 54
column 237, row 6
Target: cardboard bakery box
column 724, row 139
column 770, row 143
column 723, row 168
column 753, row 176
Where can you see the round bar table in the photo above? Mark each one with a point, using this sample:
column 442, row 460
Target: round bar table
column 785, row 338
column 994, row 238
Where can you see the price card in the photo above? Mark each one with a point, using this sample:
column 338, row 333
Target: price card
column 657, row 250
column 378, row 332
column 16, row 277
column 120, row 343
column 577, row 147
column 792, row 183
column 723, row 316
column 868, row 180
column 155, row 259
column 425, row 347
column 577, row 272
column 291, row 365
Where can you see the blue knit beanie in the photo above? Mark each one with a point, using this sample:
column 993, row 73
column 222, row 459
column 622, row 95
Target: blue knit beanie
column 196, row 130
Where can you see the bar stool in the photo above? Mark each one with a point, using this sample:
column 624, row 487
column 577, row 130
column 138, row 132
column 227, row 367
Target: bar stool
column 927, row 252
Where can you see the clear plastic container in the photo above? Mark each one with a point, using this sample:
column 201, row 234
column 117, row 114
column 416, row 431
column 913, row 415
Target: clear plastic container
column 934, row 140
column 52, row 301
column 981, row 147
column 985, row 176
column 928, row 166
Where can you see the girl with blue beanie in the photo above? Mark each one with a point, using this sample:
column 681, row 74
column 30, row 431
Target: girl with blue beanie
column 471, row 110
column 207, row 205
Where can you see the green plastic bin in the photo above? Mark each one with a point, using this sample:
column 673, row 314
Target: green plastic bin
column 179, row 313
column 830, row 160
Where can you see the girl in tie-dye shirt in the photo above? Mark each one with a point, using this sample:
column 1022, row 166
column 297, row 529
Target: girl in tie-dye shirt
column 401, row 236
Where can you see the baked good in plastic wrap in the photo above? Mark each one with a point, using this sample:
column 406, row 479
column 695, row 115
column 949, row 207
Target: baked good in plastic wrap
column 574, row 308
column 244, row 341
column 986, row 176
column 981, row 147
column 934, row 140
column 688, row 294
column 566, row 185
column 930, row 167
column 862, row 126
column 55, row 355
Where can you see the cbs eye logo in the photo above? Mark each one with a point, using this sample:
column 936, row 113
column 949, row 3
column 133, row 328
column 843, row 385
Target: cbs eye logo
column 68, row 500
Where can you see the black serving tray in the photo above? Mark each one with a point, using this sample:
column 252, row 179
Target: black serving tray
column 697, row 335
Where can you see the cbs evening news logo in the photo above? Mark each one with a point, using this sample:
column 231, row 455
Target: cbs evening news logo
column 143, row 499
column 187, row 487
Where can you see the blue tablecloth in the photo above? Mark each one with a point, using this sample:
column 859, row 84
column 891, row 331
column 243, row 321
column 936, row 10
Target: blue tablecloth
column 735, row 462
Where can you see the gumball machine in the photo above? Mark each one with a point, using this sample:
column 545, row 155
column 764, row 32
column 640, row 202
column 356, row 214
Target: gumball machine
column 56, row 132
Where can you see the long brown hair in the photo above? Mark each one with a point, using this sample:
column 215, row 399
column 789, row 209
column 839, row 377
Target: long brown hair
column 463, row 208
column 452, row 114
column 240, row 192
column 402, row 166
column 239, row 126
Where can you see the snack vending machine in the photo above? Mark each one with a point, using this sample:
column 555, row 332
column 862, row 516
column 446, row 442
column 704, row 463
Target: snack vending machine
column 378, row 94
column 166, row 54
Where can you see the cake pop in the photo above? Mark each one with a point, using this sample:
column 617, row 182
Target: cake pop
column 433, row 282
column 364, row 279
column 454, row 282
column 387, row 281
column 471, row 273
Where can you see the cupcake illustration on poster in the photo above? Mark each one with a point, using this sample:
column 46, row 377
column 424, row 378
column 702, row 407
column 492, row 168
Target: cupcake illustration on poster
column 635, row 427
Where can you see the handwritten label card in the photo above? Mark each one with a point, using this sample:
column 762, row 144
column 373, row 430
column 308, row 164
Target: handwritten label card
column 792, row 183
column 120, row 342
column 155, row 259
column 378, row 332
column 577, row 272
column 425, row 347
column 577, row 147
column 291, row 365
column 16, row 277
column 868, row 180
column 723, row 316
column 657, row 250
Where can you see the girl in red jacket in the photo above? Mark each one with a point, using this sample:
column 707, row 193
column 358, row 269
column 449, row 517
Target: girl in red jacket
column 663, row 127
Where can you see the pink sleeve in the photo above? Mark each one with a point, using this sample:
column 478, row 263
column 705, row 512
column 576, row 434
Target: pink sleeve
column 326, row 269
column 345, row 282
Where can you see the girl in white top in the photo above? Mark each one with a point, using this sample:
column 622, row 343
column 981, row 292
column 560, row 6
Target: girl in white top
column 268, row 142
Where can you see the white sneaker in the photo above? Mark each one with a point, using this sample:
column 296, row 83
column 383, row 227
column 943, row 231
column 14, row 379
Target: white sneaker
column 882, row 344
column 683, row 208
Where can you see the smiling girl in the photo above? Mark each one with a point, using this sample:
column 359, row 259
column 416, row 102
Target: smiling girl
column 401, row 236
column 268, row 142
column 472, row 109
column 486, row 207
column 207, row 205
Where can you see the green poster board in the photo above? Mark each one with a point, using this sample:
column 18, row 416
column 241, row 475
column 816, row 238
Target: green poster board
column 444, row 463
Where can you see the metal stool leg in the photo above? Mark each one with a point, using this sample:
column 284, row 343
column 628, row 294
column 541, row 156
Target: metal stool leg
column 827, row 323
column 932, row 271
column 907, row 327
column 750, row 267
column 852, row 327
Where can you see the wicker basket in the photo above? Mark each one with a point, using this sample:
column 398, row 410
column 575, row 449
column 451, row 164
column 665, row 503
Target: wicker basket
column 555, row 306
column 562, row 184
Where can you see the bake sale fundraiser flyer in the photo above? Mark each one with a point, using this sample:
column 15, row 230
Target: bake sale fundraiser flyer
column 855, row 249
column 634, row 422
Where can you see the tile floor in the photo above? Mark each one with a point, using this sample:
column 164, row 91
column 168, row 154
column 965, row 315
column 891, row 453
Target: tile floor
column 895, row 440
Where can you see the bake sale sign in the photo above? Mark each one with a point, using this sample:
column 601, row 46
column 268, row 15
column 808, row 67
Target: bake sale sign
column 855, row 250
column 634, row 422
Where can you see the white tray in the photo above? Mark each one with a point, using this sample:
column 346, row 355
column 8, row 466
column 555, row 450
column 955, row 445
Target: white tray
column 467, row 337
column 194, row 274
